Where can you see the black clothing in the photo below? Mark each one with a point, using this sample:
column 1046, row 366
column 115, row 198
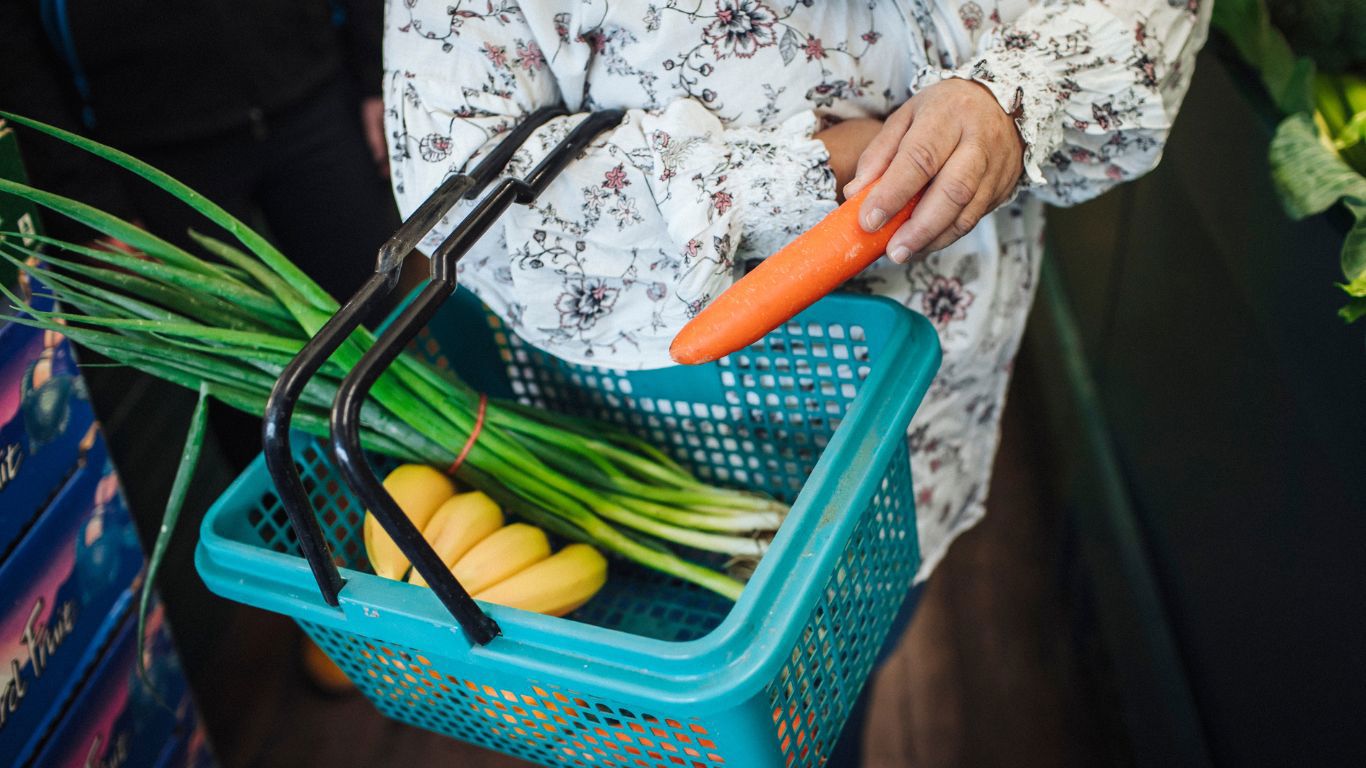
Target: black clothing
column 308, row 184
column 141, row 74
column 253, row 103
column 144, row 72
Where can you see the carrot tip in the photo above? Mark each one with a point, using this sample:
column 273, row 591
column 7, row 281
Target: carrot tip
column 683, row 355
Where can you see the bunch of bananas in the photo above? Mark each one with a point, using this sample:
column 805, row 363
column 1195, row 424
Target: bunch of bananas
column 509, row 565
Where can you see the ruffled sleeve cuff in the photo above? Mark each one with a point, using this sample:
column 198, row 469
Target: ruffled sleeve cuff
column 1023, row 82
column 782, row 179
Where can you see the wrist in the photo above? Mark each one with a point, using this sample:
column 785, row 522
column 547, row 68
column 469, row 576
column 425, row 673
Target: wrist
column 1021, row 81
column 1013, row 115
column 845, row 142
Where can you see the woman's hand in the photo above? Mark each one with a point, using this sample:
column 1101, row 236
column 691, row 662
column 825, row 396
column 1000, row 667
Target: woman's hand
column 846, row 141
column 953, row 136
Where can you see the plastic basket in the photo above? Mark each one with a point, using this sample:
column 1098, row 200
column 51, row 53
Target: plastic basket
column 652, row 672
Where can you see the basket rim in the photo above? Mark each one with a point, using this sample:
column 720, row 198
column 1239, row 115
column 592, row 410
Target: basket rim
column 737, row 657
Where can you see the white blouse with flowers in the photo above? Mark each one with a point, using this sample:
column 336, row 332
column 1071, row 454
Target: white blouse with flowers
column 715, row 164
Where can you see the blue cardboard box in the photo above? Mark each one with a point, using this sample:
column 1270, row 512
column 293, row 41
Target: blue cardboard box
column 60, row 591
column 46, row 421
column 117, row 720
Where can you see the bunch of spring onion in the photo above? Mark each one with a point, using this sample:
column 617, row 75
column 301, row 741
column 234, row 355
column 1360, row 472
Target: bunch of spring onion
column 226, row 321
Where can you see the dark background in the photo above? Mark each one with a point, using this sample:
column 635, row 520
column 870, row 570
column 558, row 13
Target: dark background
column 1220, row 502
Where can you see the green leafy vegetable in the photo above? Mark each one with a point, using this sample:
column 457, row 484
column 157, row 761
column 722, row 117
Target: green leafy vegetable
column 1287, row 77
column 189, row 460
column 1318, row 154
column 1311, row 178
column 1332, row 32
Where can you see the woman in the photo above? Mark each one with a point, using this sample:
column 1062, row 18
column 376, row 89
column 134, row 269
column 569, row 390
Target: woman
column 747, row 119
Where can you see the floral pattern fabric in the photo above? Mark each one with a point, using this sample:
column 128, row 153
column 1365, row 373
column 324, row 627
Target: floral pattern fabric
column 714, row 165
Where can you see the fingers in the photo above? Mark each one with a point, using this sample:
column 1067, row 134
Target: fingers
column 963, row 224
column 950, row 208
column 922, row 152
column 953, row 141
column 880, row 151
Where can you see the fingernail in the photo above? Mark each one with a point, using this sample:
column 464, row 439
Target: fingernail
column 899, row 254
column 876, row 218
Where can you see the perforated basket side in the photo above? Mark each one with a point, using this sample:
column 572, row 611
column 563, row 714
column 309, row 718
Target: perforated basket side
column 537, row 721
column 834, row 654
column 760, row 419
column 804, row 707
column 338, row 511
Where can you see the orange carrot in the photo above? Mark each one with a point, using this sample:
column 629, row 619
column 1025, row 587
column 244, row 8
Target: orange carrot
column 816, row 263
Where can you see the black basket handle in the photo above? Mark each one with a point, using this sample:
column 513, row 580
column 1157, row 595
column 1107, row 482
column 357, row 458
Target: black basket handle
column 293, row 380
column 346, row 409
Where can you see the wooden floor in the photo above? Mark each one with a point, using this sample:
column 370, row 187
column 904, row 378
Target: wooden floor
column 988, row 675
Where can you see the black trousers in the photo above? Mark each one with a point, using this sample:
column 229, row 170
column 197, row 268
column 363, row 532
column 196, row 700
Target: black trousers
column 306, row 178
column 304, row 173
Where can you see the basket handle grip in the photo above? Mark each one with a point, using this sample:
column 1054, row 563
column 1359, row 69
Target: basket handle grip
column 275, row 435
column 346, row 409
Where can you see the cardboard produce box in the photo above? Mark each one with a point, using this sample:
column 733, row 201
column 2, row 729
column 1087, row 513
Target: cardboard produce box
column 118, row 720
column 45, row 417
column 61, row 591
column 46, row 422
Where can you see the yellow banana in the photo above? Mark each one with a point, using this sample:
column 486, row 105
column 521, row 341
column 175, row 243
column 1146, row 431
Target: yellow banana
column 555, row 586
column 419, row 490
column 502, row 553
column 464, row 520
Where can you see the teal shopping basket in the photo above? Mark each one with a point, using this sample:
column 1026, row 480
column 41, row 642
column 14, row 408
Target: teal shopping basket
column 652, row 672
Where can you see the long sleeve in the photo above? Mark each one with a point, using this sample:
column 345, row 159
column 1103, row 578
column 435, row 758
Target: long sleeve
column 639, row 232
column 1094, row 84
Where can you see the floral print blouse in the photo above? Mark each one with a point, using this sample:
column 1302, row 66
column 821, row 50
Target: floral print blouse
column 714, row 164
